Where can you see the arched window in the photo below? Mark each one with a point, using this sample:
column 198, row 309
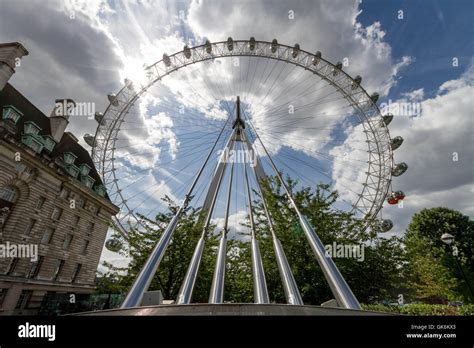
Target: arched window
column 8, row 196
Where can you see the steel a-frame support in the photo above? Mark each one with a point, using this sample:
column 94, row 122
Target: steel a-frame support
column 340, row 289
column 144, row 278
column 290, row 288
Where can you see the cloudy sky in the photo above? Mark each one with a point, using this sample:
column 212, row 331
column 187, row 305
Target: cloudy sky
column 420, row 53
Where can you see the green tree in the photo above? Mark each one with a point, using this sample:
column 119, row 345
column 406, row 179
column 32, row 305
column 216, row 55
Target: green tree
column 434, row 275
column 170, row 274
column 377, row 277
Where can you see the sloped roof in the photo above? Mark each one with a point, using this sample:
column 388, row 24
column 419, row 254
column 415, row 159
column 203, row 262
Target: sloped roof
column 10, row 96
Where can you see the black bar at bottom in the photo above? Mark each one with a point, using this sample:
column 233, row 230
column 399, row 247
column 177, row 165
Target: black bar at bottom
column 220, row 330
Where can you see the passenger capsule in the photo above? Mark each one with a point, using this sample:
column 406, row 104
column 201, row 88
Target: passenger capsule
column 317, row 58
column 230, row 44
column 166, row 59
column 274, row 45
column 337, row 69
column 395, row 197
column 396, row 142
column 99, row 117
column 387, row 119
column 113, row 244
column 374, row 97
column 129, row 84
column 113, row 99
column 252, row 43
column 399, row 169
column 208, row 47
column 386, row 225
column 187, row 52
column 356, row 83
column 89, row 139
column 295, row 51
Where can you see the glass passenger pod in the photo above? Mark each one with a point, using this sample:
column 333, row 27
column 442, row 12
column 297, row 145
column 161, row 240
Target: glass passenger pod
column 274, row 45
column 317, row 58
column 230, row 44
column 252, row 43
column 395, row 197
column 295, row 51
column 187, row 52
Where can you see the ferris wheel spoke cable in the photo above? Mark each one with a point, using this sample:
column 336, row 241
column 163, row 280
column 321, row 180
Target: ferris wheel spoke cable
column 168, row 162
column 323, row 154
column 196, row 160
column 305, row 91
column 134, row 174
column 282, row 109
column 146, row 142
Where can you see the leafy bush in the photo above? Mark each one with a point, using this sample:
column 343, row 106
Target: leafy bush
column 421, row 309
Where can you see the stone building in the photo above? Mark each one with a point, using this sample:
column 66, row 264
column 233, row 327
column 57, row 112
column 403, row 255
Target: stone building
column 54, row 209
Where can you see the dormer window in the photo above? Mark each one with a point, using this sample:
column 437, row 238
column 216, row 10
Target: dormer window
column 31, row 128
column 33, row 142
column 100, row 190
column 72, row 170
column 85, row 169
column 69, row 158
column 11, row 113
column 49, row 143
column 87, row 180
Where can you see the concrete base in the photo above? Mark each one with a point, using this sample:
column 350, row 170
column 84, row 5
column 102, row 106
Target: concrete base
column 239, row 309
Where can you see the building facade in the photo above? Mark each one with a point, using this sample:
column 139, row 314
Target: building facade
column 54, row 209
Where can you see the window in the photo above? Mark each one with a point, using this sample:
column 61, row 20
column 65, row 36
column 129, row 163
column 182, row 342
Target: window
column 8, row 193
column 12, row 266
column 67, row 241
column 77, row 270
column 88, row 181
column 35, row 268
column 29, row 227
column 3, row 294
column 80, row 202
column 92, row 208
column 40, row 202
column 64, row 193
column 56, row 215
column 75, row 221
column 34, row 144
column 69, row 158
column 47, row 235
column 24, row 298
column 90, row 228
column 84, row 247
column 85, row 169
column 57, row 269
column 11, row 113
column 49, row 143
column 31, row 128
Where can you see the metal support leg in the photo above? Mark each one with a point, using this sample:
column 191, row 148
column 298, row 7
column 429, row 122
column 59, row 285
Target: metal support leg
column 337, row 283
column 187, row 288
column 217, row 287
column 144, row 278
column 292, row 293
column 259, row 283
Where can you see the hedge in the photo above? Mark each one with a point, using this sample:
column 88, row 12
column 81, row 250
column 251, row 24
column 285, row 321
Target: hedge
column 422, row 309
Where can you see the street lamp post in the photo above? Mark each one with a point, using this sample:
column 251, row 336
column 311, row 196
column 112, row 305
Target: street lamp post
column 448, row 239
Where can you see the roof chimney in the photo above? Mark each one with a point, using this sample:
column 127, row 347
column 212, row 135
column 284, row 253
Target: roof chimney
column 60, row 116
column 10, row 57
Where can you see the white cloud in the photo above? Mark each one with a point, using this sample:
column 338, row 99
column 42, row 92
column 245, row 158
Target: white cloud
column 439, row 150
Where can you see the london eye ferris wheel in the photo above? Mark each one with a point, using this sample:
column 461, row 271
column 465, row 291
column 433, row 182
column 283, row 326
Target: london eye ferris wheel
column 316, row 121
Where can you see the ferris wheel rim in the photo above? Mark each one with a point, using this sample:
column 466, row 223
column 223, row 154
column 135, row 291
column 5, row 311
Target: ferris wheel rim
column 284, row 53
